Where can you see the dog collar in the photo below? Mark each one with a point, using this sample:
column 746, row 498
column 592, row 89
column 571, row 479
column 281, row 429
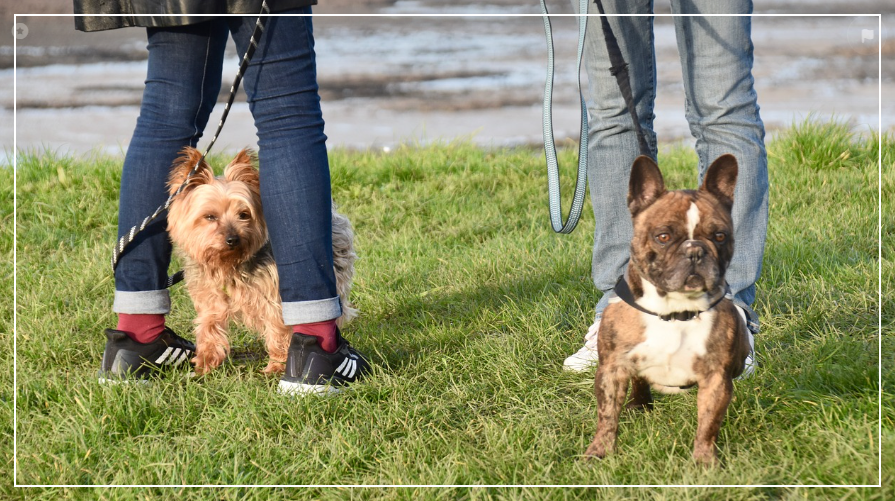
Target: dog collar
column 623, row 291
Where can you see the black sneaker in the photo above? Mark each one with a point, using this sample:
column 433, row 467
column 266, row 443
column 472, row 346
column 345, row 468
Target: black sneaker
column 126, row 360
column 311, row 370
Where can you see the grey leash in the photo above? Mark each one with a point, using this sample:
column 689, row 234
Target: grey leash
column 549, row 144
column 129, row 237
column 619, row 69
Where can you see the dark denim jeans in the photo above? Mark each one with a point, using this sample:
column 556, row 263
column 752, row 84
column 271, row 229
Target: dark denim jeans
column 182, row 85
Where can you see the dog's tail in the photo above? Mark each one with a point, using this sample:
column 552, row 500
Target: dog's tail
column 343, row 264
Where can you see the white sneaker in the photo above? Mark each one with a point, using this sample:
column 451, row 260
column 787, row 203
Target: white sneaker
column 585, row 358
column 750, row 358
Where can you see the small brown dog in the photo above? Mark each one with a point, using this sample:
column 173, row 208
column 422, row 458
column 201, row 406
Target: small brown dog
column 674, row 326
column 217, row 226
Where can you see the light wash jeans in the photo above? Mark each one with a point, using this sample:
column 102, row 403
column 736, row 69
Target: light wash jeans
column 182, row 84
column 721, row 108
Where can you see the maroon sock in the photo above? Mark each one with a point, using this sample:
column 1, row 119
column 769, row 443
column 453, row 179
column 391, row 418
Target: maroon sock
column 325, row 332
column 141, row 328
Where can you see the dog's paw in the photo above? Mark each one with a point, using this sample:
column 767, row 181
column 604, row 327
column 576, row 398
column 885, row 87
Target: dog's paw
column 199, row 366
column 595, row 451
column 274, row 368
column 202, row 365
column 706, row 457
column 209, row 356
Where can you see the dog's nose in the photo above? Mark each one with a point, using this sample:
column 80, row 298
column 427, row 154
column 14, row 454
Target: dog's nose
column 694, row 252
column 232, row 240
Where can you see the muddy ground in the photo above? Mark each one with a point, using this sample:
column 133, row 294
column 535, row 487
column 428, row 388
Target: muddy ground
column 389, row 80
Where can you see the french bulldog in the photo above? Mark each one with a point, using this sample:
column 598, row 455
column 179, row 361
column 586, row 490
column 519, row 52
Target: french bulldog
column 673, row 327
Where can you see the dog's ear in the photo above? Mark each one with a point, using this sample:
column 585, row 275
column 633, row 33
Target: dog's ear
column 242, row 169
column 183, row 165
column 646, row 184
column 721, row 179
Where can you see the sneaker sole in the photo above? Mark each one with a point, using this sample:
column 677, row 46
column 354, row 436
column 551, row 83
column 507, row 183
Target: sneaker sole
column 580, row 366
column 290, row 388
column 576, row 363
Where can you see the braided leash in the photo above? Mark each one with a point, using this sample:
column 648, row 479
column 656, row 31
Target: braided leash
column 553, row 188
column 619, row 69
column 129, row 237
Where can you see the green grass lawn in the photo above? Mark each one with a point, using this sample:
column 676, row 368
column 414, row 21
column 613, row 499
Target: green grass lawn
column 469, row 305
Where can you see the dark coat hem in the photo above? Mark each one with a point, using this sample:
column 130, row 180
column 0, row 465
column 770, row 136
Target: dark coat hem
column 167, row 13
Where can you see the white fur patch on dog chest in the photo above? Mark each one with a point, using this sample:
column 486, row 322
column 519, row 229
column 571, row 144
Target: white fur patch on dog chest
column 670, row 348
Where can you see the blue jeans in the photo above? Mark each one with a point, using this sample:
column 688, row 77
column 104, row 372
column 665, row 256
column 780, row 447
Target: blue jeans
column 182, row 85
column 721, row 108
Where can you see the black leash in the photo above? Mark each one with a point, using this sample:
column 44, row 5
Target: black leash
column 126, row 240
column 619, row 69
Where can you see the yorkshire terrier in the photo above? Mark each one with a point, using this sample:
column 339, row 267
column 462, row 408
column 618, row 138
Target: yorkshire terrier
column 218, row 229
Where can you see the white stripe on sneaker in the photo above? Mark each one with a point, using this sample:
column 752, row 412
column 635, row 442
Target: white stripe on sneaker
column 348, row 367
column 183, row 356
column 164, row 355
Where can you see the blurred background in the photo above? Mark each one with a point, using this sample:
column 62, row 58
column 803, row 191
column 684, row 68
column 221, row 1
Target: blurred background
column 385, row 81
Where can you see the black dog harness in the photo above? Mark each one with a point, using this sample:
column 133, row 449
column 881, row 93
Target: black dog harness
column 623, row 291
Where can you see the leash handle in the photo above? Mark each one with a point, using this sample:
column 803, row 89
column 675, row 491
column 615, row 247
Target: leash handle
column 553, row 187
column 129, row 237
column 619, row 69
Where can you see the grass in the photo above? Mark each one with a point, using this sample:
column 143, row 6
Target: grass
column 470, row 303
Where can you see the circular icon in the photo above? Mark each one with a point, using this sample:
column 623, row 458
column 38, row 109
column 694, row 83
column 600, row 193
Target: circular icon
column 20, row 30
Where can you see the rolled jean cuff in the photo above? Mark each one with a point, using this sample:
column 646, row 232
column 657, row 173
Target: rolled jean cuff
column 306, row 312
column 142, row 302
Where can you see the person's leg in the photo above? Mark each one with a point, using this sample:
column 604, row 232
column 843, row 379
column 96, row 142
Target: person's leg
column 182, row 84
column 612, row 141
column 281, row 85
column 723, row 112
column 613, row 146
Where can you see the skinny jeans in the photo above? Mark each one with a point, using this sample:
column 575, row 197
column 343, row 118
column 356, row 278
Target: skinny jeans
column 182, row 85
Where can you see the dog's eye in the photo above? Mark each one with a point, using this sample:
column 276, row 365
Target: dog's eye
column 211, row 217
column 663, row 238
column 720, row 237
column 244, row 216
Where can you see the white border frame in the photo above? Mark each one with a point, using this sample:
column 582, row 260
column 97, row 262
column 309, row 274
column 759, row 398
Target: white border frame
column 879, row 269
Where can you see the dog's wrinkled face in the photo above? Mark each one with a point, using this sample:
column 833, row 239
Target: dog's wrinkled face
column 683, row 240
column 217, row 221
